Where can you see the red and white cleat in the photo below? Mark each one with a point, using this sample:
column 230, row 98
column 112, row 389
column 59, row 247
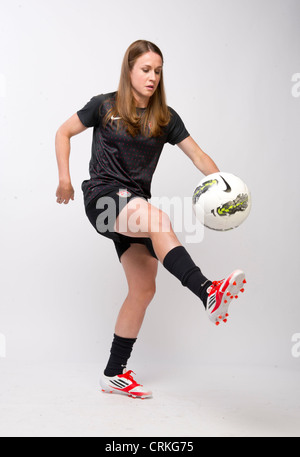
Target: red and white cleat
column 124, row 384
column 220, row 294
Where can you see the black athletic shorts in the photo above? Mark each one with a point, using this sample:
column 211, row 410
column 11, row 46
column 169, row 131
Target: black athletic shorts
column 103, row 211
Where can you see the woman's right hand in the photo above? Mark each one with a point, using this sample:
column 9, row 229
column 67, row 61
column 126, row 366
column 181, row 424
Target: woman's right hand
column 64, row 193
column 71, row 127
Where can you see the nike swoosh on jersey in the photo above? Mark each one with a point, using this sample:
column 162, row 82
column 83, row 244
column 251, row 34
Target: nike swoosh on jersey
column 113, row 118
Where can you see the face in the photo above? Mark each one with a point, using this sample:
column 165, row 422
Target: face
column 145, row 76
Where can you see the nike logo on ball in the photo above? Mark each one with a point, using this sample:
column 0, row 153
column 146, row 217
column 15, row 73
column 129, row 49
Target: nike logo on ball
column 228, row 188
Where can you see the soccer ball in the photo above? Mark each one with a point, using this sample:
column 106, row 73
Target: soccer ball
column 221, row 201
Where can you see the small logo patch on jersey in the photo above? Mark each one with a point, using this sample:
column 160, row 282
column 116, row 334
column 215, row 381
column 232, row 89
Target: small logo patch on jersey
column 124, row 193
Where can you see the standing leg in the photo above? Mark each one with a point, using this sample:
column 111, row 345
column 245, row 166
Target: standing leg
column 140, row 270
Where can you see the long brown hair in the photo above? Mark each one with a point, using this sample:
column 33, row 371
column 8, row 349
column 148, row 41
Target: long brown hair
column 157, row 114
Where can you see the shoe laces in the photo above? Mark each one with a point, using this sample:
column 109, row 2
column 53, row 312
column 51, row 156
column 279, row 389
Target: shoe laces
column 215, row 285
column 128, row 376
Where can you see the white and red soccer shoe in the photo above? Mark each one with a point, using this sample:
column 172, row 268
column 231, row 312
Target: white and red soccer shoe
column 124, row 384
column 220, row 294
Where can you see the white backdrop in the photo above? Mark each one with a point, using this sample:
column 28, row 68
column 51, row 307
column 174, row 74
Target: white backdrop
column 231, row 72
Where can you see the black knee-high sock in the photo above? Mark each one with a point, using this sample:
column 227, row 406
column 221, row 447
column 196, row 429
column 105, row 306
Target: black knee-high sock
column 119, row 354
column 180, row 264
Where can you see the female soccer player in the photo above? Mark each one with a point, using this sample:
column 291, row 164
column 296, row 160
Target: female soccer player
column 131, row 127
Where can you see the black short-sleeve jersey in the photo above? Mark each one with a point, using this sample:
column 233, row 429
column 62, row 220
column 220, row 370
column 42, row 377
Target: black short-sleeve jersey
column 118, row 159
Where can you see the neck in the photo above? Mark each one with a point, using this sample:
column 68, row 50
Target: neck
column 140, row 102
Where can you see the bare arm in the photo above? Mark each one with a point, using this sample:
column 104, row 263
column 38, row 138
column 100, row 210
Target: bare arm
column 201, row 160
column 71, row 127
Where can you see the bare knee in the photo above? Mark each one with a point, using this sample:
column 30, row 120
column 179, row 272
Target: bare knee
column 142, row 297
column 140, row 218
column 159, row 222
